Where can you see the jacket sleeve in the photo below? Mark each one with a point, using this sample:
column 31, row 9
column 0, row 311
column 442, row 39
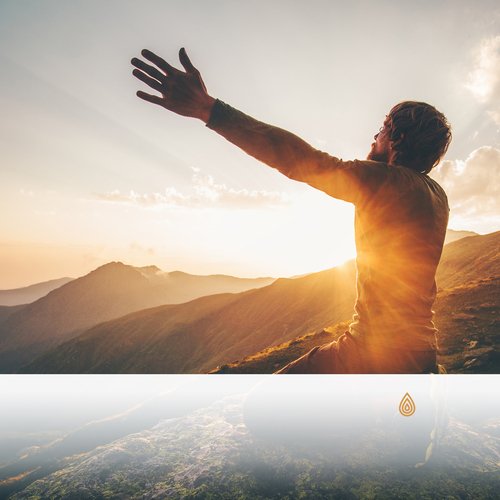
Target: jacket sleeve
column 351, row 181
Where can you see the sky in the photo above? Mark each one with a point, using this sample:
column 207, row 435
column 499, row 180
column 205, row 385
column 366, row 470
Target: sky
column 90, row 173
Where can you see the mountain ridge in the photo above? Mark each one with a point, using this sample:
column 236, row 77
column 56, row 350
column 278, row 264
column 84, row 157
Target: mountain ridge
column 110, row 291
column 454, row 235
column 252, row 320
column 30, row 293
column 207, row 333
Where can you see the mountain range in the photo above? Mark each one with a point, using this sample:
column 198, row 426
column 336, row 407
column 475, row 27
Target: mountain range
column 199, row 335
column 108, row 292
column 466, row 315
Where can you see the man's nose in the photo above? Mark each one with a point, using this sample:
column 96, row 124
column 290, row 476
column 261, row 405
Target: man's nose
column 376, row 135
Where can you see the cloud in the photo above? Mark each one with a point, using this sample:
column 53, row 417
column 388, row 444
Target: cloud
column 473, row 188
column 484, row 80
column 205, row 192
column 169, row 197
column 137, row 247
column 206, row 189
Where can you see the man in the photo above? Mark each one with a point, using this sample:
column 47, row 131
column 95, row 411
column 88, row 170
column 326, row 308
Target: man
column 401, row 216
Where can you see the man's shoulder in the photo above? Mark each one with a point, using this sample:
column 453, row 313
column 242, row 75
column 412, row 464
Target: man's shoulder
column 405, row 174
column 434, row 183
column 397, row 177
column 369, row 168
column 417, row 181
column 380, row 165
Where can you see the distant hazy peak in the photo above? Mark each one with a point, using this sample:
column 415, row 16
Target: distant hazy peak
column 454, row 235
column 28, row 294
column 230, row 276
column 153, row 271
column 55, row 281
column 149, row 269
column 179, row 273
column 115, row 271
column 111, row 265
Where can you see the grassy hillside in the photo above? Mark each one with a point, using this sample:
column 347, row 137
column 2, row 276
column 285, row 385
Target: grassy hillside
column 469, row 259
column 273, row 358
column 469, row 324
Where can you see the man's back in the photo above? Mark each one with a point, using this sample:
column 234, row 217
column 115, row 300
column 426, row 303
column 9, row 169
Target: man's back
column 400, row 230
column 400, row 225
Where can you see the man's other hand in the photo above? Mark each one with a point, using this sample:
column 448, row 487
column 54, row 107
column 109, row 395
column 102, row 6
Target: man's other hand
column 182, row 92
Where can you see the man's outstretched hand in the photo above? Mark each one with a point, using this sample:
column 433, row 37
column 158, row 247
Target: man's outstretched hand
column 182, row 92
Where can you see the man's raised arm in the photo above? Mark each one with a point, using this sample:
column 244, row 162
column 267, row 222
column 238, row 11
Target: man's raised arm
column 185, row 93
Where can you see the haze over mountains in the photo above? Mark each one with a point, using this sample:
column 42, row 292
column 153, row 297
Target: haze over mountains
column 28, row 294
column 453, row 235
column 108, row 292
column 200, row 334
column 213, row 330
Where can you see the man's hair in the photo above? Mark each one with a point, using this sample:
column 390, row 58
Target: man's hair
column 419, row 135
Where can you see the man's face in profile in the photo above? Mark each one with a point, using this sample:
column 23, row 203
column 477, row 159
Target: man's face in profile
column 381, row 147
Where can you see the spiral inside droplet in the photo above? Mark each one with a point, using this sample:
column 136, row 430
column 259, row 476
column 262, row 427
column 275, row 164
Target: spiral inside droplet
column 407, row 406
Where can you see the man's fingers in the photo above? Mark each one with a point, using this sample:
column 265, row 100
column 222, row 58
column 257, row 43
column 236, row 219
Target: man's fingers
column 154, row 84
column 161, row 63
column 186, row 62
column 150, row 98
column 150, row 70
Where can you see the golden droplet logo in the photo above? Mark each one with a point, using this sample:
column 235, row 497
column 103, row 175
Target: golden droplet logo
column 407, row 406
